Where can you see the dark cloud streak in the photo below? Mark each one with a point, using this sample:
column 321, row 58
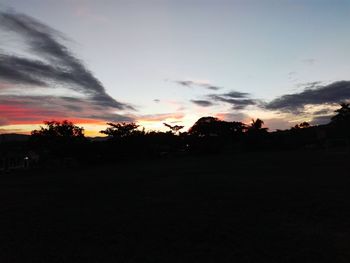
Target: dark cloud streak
column 202, row 103
column 238, row 100
column 38, row 108
column 236, row 94
column 58, row 65
column 191, row 84
column 333, row 93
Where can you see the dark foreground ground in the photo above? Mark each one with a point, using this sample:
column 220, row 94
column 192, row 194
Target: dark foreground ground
column 277, row 207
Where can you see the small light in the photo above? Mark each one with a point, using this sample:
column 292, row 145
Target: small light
column 26, row 158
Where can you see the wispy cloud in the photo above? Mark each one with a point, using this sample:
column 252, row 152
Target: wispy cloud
column 160, row 117
column 310, row 85
column 236, row 95
column 195, row 83
column 238, row 100
column 54, row 66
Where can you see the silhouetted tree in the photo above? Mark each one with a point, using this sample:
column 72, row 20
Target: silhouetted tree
column 256, row 135
column 237, row 127
column 340, row 123
column 214, row 134
column 175, row 129
column 343, row 114
column 59, row 140
column 121, row 130
column 211, row 126
column 206, row 126
column 302, row 125
column 56, row 129
column 257, row 125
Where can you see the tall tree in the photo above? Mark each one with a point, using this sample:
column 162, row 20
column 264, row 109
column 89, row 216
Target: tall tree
column 343, row 114
column 211, row 126
column 59, row 139
column 206, row 126
column 257, row 125
column 120, row 130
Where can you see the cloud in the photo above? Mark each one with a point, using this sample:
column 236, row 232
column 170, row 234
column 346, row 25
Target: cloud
column 272, row 123
column 9, row 131
column 160, row 117
column 3, row 122
column 229, row 116
column 113, row 117
column 192, row 83
column 203, row 103
column 323, row 112
column 211, row 87
column 237, row 100
column 34, row 109
column 56, row 64
column 320, row 120
column 310, row 85
column 13, row 69
column 277, row 124
column 236, row 94
column 16, row 112
column 329, row 94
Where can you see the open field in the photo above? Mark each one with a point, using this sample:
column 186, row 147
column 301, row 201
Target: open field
column 274, row 207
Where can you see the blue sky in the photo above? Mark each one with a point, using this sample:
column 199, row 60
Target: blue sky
column 140, row 50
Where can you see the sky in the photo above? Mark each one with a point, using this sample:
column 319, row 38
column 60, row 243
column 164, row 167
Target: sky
column 174, row 61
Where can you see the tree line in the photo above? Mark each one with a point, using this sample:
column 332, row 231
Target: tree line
column 65, row 140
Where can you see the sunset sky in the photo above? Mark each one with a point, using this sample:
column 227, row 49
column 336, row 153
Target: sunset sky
column 155, row 61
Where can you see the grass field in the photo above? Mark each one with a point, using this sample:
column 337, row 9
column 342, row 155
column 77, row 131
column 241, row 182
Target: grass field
column 275, row 207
